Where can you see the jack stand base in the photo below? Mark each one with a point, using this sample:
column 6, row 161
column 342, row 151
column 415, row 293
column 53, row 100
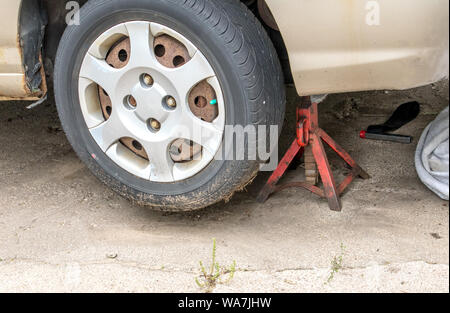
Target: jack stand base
column 310, row 136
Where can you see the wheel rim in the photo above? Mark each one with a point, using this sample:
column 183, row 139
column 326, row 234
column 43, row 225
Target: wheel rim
column 152, row 102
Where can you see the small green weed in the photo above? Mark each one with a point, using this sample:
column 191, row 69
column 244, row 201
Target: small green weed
column 336, row 264
column 208, row 280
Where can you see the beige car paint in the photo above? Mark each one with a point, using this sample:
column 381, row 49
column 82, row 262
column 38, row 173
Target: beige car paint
column 12, row 76
column 331, row 46
column 339, row 46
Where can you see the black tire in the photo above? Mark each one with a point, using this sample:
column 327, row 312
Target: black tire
column 243, row 57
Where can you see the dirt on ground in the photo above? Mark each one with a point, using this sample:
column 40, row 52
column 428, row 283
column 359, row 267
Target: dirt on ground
column 61, row 230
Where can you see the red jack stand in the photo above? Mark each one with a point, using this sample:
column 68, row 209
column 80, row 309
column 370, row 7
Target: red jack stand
column 310, row 136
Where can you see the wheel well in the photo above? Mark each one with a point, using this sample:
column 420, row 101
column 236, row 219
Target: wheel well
column 56, row 15
column 260, row 9
column 56, row 24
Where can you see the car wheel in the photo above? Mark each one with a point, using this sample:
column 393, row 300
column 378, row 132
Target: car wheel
column 144, row 90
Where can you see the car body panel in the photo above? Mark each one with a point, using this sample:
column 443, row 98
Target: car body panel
column 12, row 75
column 354, row 45
column 331, row 46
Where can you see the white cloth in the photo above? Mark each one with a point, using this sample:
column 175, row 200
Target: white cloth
column 432, row 156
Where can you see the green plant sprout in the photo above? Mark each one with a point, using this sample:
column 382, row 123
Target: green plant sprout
column 208, row 280
column 336, row 264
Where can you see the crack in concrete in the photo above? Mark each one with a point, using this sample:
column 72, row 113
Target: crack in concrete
column 142, row 266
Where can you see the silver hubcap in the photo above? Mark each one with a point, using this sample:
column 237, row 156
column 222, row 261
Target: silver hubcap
column 150, row 109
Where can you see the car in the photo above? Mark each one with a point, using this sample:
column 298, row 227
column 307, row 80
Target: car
column 149, row 92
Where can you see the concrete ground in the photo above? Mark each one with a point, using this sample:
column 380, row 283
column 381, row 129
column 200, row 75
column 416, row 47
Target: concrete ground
column 63, row 231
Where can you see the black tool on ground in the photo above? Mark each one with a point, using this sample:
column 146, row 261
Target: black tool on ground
column 405, row 114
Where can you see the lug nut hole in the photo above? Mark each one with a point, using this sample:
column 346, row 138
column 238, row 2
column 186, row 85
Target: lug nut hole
column 129, row 102
column 169, row 103
column 147, row 80
column 154, row 125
